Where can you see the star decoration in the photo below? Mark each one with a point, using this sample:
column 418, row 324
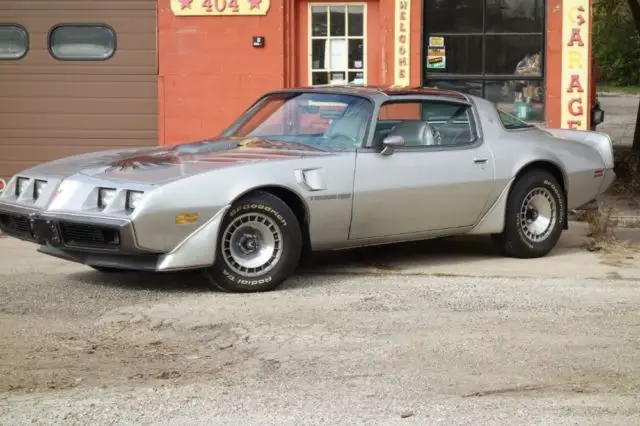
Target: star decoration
column 185, row 4
column 255, row 4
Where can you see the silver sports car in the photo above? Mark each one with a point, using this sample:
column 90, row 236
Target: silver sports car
column 312, row 169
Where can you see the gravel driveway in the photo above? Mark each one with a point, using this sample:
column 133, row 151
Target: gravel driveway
column 83, row 348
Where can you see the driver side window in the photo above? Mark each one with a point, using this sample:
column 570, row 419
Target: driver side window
column 425, row 123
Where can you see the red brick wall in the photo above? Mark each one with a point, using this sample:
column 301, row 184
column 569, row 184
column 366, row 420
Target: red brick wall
column 209, row 72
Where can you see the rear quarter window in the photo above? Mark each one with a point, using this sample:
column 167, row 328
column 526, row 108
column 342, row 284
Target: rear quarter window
column 512, row 123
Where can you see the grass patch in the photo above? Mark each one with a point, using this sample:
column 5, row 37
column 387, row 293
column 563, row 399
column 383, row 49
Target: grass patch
column 630, row 90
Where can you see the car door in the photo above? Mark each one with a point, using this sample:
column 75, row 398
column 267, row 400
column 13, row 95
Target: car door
column 421, row 188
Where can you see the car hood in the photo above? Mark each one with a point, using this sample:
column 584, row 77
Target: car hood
column 162, row 164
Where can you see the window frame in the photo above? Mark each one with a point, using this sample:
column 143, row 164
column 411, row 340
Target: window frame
column 483, row 77
column 474, row 121
column 346, row 37
column 26, row 32
column 82, row 24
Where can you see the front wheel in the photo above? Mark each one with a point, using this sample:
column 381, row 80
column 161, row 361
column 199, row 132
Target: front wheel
column 534, row 216
column 259, row 245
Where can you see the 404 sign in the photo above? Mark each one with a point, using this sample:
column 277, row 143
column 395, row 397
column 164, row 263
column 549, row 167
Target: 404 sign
column 220, row 7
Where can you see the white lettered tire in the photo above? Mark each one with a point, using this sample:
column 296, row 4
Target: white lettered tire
column 534, row 218
column 258, row 247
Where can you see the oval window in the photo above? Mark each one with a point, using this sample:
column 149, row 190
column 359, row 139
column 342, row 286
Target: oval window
column 82, row 42
column 14, row 41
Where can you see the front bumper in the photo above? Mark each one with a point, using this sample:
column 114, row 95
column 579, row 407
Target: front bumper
column 107, row 242
column 94, row 241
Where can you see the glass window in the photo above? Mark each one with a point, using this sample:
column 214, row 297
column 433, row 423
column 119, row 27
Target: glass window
column 356, row 21
column 472, row 87
column 319, row 21
column 333, row 122
column 82, row 42
column 446, row 16
column 14, row 42
column 513, row 54
column 463, row 55
column 497, row 44
column 525, row 99
column 338, row 54
column 510, row 122
column 338, row 26
column 514, row 16
column 450, row 124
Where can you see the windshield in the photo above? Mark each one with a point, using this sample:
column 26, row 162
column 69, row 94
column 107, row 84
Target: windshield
column 512, row 123
column 323, row 120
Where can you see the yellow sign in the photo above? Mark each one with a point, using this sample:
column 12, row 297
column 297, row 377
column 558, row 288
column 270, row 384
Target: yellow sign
column 402, row 43
column 576, row 64
column 220, row 7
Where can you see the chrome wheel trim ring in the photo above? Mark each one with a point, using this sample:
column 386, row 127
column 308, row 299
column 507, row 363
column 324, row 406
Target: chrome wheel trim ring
column 252, row 244
column 538, row 214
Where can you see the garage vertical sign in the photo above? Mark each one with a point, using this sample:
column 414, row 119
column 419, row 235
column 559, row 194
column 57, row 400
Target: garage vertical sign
column 576, row 64
column 402, row 37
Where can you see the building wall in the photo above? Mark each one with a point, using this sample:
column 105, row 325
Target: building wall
column 209, row 72
column 53, row 107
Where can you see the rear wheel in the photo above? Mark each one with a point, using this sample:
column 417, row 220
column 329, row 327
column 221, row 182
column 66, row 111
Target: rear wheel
column 534, row 216
column 259, row 245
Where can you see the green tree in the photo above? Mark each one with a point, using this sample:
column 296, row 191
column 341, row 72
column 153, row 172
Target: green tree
column 616, row 45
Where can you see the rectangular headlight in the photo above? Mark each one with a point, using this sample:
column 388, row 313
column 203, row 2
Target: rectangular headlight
column 133, row 199
column 38, row 186
column 21, row 185
column 105, row 196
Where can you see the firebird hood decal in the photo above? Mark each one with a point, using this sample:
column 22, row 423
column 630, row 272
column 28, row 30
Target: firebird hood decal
column 159, row 164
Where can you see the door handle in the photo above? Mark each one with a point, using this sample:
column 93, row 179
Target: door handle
column 480, row 160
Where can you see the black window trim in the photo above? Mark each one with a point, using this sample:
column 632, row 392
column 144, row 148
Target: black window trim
column 26, row 32
column 474, row 143
column 82, row 24
column 484, row 78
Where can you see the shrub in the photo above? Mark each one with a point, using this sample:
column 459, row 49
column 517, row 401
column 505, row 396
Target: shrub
column 616, row 43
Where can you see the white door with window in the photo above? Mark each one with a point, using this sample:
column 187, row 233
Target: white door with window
column 337, row 43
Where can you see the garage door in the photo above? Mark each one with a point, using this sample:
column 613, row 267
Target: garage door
column 75, row 76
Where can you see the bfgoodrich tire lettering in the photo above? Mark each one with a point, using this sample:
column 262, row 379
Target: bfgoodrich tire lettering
column 258, row 245
column 536, row 195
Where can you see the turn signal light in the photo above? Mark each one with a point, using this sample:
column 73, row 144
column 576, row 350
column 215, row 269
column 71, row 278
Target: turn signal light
column 183, row 218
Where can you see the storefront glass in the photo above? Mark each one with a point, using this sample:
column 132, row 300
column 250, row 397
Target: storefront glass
column 490, row 48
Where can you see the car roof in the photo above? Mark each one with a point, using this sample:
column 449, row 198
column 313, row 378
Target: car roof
column 378, row 92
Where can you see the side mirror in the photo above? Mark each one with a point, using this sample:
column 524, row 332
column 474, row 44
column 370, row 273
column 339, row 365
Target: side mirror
column 390, row 143
column 597, row 116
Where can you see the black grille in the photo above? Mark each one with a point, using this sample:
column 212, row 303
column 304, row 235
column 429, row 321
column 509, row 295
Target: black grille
column 15, row 225
column 90, row 236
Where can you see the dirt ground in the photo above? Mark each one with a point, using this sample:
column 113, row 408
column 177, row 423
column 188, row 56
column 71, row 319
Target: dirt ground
column 368, row 347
